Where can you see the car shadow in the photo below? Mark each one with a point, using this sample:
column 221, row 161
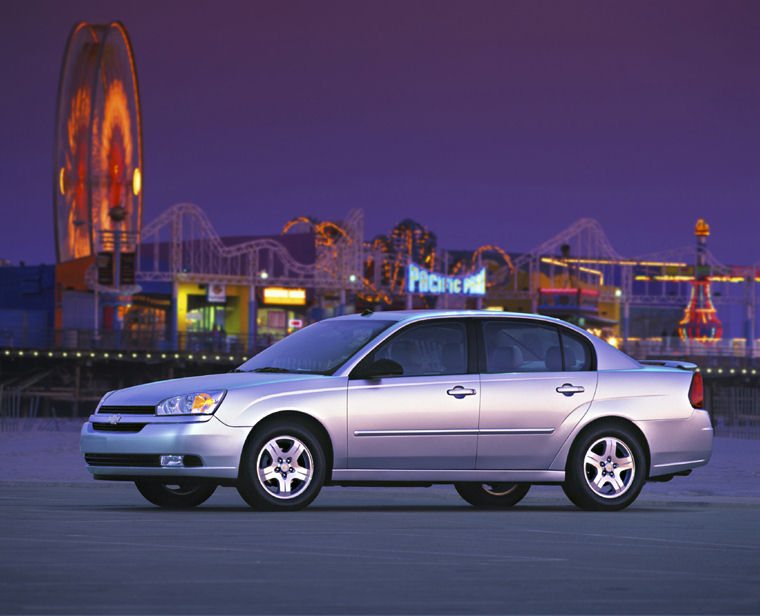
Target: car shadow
column 313, row 509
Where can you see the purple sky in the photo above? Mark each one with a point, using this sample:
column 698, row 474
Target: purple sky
column 490, row 122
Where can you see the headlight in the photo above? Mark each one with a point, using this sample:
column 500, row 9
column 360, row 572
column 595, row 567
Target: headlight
column 204, row 402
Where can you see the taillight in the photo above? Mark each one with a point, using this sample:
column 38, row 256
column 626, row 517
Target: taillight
column 697, row 391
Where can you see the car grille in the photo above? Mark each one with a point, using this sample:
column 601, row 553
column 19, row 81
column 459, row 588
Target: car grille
column 133, row 459
column 128, row 410
column 119, row 427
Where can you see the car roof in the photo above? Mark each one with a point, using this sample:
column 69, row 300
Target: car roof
column 418, row 315
column 608, row 357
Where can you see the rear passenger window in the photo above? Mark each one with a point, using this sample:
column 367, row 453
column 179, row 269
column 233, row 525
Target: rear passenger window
column 576, row 351
column 514, row 346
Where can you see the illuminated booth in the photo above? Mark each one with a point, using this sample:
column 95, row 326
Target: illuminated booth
column 216, row 316
column 282, row 311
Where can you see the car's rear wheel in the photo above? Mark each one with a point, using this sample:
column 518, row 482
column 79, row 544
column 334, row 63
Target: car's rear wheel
column 606, row 469
column 492, row 495
column 283, row 467
column 175, row 493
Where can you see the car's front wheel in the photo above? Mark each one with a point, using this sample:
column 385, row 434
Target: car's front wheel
column 282, row 468
column 492, row 495
column 177, row 493
column 606, row 469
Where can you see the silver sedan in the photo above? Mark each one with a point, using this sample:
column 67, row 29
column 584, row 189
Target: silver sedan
column 489, row 402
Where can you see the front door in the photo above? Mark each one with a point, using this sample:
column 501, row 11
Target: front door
column 426, row 418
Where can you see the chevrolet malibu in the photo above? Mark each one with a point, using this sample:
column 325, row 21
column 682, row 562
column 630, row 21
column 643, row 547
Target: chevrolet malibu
column 489, row 402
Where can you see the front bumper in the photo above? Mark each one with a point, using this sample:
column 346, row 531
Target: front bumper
column 215, row 446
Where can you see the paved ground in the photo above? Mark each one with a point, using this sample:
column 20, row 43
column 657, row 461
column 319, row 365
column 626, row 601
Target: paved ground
column 100, row 549
column 69, row 545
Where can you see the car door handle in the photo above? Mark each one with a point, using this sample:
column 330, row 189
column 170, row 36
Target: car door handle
column 569, row 389
column 460, row 392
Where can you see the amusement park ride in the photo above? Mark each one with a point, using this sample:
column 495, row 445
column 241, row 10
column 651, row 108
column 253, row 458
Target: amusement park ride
column 97, row 172
column 97, row 179
column 700, row 321
column 98, row 143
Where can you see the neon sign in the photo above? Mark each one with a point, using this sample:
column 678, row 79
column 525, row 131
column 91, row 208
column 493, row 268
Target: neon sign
column 282, row 296
column 420, row 280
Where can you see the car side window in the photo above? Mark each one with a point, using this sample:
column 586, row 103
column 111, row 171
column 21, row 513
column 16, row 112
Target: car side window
column 577, row 354
column 428, row 349
column 515, row 346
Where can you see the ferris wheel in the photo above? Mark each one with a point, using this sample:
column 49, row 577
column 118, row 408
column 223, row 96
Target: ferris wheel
column 97, row 168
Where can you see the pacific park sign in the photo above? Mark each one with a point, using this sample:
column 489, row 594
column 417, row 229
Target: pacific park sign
column 420, row 280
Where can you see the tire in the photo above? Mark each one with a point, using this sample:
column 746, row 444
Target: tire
column 283, row 467
column 175, row 494
column 492, row 495
column 590, row 483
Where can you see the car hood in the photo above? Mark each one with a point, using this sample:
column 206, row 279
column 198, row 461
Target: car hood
column 153, row 393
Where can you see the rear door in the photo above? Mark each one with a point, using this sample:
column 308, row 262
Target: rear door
column 537, row 381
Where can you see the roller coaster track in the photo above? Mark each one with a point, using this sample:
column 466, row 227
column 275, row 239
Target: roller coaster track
column 182, row 244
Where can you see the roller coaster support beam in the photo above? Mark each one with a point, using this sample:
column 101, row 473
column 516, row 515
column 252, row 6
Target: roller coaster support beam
column 252, row 328
column 117, row 317
column 750, row 299
column 174, row 316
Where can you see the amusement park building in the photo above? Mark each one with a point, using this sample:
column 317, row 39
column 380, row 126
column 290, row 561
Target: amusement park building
column 185, row 309
column 192, row 290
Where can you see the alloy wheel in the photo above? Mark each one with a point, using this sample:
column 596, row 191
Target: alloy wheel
column 285, row 467
column 609, row 467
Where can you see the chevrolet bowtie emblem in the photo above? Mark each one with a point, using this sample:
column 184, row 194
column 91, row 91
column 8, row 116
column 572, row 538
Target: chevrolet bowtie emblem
column 114, row 419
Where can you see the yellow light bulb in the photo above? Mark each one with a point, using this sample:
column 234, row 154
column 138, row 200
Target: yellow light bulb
column 137, row 181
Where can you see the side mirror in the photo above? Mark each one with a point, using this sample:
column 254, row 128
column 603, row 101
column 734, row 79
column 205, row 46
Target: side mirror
column 378, row 369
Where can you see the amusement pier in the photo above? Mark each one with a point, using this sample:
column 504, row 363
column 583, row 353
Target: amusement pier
column 129, row 301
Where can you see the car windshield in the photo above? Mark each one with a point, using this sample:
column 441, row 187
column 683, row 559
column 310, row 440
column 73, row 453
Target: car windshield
column 320, row 348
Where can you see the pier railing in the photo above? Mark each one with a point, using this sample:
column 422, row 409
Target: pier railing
column 673, row 346
column 233, row 343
